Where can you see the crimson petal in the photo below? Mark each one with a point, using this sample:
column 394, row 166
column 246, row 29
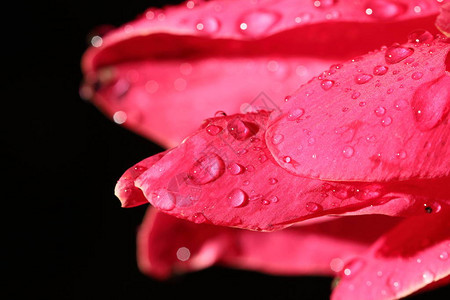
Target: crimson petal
column 163, row 73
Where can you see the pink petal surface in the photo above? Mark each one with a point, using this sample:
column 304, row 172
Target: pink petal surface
column 320, row 249
column 163, row 73
column 407, row 258
column 225, row 175
column 378, row 117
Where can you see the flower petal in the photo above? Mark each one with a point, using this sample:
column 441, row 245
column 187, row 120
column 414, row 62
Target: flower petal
column 128, row 194
column 153, row 75
column 169, row 245
column 378, row 117
column 443, row 20
column 412, row 255
column 225, row 174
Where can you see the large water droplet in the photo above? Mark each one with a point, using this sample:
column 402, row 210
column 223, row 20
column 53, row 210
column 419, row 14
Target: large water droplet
column 327, row 84
column 380, row 70
column 258, row 23
column 380, row 111
column 385, row 9
column 397, row 53
column 208, row 168
column 431, row 103
column 238, row 198
column 363, row 78
column 163, row 199
column 241, row 130
column 420, row 36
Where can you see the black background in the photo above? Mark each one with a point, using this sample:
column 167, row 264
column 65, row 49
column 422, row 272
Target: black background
column 66, row 236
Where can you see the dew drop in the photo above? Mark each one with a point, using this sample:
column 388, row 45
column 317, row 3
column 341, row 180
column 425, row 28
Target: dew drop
column 163, row 199
column 120, row 117
column 397, row 53
column 327, row 84
column 401, row 154
column 208, row 25
column 363, row 78
column 394, row 283
column 235, row 169
column 417, row 75
column 370, row 192
column 356, row 95
column 258, row 23
column 287, row 159
column 206, row 169
column 348, row 151
column 380, row 70
column 385, row 9
column 183, row 254
column 295, row 114
column 313, row 207
column 274, row 199
column 277, row 139
column 303, row 18
column 213, row 129
column 220, row 113
column 238, row 198
column 380, row 111
column 353, row 267
column 241, row 130
column 428, row 277
column 324, row 3
column 443, row 255
column 431, row 102
column 420, row 36
column 262, row 158
column 198, row 218
column 273, row 181
column 401, row 104
column 386, row 121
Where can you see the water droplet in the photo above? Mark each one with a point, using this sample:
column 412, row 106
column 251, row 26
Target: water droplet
column 206, row 169
column 213, row 130
column 220, row 113
column 311, row 141
column 385, row 9
column 235, row 169
column 287, row 159
column 380, row 70
column 417, row 75
column 420, row 36
column 258, row 23
column 327, row 84
column 277, row 139
column 401, row 104
column 380, row 111
column 198, row 218
column 324, row 3
column 428, row 277
column 250, row 168
column 208, row 25
column 241, row 130
column 163, row 199
column 238, row 198
column 262, row 158
column 295, row 114
column 401, row 154
column 369, row 192
column 120, row 117
column 363, row 78
column 273, row 181
column 303, row 18
column 397, row 53
column 183, row 254
column 348, row 151
column 386, row 121
column 431, row 102
column 443, row 255
column 313, row 207
column 356, row 95
column 353, row 267
column 274, row 199
column 394, row 283
column 428, row 210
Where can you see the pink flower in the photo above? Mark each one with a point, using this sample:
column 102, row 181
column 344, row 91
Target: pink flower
column 352, row 169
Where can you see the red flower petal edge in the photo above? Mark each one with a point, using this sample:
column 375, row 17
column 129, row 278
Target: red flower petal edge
column 158, row 75
column 414, row 254
column 225, row 175
column 378, row 117
column 319, row 249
